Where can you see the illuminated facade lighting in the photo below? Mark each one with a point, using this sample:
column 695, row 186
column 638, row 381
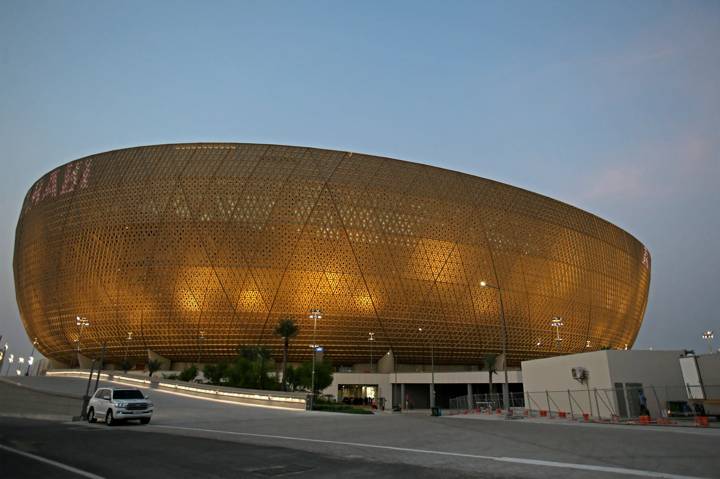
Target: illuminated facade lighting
column 233, row 237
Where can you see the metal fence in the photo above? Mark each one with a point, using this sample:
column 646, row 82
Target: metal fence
column 487, row 401
column 623, row 402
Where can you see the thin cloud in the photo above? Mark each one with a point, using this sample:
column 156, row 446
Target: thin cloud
column 688, row 165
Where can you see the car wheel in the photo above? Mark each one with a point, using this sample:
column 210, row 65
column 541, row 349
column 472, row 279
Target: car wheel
column 145, row 420
column 109, row 418
column 91, row 415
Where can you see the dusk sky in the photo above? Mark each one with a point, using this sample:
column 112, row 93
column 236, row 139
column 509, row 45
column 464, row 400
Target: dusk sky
column 613, row 107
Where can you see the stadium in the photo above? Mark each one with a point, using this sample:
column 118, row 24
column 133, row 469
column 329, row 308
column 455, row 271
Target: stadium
column 193, row 250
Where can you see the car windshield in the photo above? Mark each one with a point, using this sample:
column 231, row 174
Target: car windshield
column 128, row 394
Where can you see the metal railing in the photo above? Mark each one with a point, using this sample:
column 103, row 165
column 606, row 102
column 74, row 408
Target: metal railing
column 486, row 401
column 630, row 401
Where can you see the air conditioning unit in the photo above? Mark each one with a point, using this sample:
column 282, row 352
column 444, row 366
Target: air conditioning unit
column 579, row 373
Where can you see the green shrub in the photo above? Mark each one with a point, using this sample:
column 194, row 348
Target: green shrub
column 188, row 374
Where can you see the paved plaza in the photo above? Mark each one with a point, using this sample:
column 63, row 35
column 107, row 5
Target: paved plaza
column 312, row 443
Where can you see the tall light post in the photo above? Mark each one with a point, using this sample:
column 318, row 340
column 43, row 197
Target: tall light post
column 11, row 359
column 506, row 386
column 708, row 336
column 371, row 339
column 3, row 353
column 432, row 371
column 315, row 314
column 556, row 323
column 31, row 359
column 81, row 323
column 127, row 344
column 201, row 342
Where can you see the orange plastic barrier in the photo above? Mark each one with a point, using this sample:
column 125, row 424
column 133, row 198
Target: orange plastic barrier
column 701, row 421
column 543, row 413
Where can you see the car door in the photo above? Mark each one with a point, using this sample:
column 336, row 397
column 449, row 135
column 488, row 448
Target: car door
column 96, row 402
column 104, row 402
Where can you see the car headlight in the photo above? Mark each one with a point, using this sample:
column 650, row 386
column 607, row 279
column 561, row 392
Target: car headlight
column 119, row 404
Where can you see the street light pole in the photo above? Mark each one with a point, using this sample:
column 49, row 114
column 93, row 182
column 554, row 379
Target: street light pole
column 81, row 323
column 315, row 314
column 556, row 322
column 506, row 385
column 372, row 340
column 11, row 358
column 432, row 371
column 31, row 359
column 708, row 336
column 3, row 353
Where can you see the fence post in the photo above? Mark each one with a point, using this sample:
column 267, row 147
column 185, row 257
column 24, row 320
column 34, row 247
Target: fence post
column 547, row 398
column 597, row 404
column 527, row 402
column 661, row 413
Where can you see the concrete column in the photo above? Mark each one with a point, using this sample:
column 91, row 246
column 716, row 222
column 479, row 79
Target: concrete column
column 469, row 396
column 432, row 395
column 402, row 397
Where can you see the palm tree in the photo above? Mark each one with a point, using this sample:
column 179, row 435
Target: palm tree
column 490, row 362
column 153, row 365
column 286, row 329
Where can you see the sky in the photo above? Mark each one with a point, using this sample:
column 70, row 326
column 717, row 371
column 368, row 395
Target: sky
column 613, row 106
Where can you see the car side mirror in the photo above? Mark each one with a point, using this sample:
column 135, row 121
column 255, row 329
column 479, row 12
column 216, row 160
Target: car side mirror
column 146, row 396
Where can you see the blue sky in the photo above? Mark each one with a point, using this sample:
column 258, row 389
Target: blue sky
column 613, row 107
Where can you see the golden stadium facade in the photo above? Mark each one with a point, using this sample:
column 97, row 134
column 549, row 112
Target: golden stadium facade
column 191, row 250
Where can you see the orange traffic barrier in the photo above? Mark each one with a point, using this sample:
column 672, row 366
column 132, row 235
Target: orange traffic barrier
column 562, row 414
column 701, row 421
column 543, row 413
column 586, row 416
column 644, row 420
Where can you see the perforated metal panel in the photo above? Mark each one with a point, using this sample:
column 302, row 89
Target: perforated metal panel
column 200, row 248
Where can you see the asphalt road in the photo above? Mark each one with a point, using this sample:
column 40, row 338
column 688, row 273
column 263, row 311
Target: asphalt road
column 399, row 444
column 119, row 452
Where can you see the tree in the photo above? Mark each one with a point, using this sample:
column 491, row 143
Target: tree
column 292, row 378
column 153, row 365
column 323, row 375
column 215, row 372
column 286, row 329
column 188, row 374
column 490, row 363
column 125, row 365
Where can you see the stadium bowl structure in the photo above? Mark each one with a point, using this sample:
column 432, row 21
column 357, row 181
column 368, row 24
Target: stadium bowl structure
column 196, row 249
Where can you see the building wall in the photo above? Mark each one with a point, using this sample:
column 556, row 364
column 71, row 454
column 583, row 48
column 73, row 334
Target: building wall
column 709, row 367
column 656, row 373
column 417, row 384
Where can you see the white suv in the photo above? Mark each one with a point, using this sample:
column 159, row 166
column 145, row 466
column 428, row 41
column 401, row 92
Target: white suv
column 119, row 404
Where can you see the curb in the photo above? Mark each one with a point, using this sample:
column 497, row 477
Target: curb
column 40, row 417
column 37, row 390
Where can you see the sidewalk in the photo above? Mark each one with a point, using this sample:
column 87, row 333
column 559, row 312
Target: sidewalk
column 713, row 428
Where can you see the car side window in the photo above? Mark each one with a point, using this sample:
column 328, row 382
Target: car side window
column 106, row 395
column 98, row 394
